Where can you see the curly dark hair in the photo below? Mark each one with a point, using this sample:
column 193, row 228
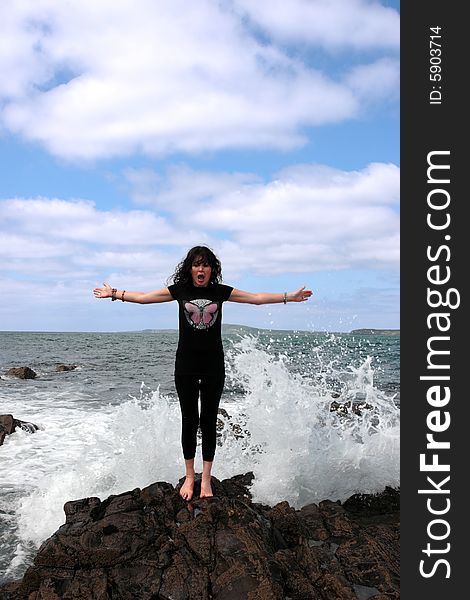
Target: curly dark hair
column 182, row 274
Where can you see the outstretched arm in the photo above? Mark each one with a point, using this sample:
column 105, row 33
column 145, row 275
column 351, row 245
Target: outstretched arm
column 248, row 298
column 162, row 295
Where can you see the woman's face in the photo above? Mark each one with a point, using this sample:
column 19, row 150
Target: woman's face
column 200, row 272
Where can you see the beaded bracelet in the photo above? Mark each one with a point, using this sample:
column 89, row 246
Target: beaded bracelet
column 113, row 294
column 285, row 298
column 122, row 297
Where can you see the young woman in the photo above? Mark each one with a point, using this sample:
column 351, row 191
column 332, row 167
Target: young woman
column 199, row 367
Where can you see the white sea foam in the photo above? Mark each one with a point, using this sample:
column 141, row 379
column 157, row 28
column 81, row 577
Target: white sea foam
column 282, row 429
column 298, row 449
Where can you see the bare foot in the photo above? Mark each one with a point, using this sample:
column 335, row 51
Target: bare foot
column 206, row 489
column 186, row 491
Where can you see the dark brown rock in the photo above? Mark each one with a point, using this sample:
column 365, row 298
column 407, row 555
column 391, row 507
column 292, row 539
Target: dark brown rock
column 235, row 428
column 367, row 504
column 150, row 544
column 344, row 407
column 8, row 425
column 61, row 368
column 21, row 373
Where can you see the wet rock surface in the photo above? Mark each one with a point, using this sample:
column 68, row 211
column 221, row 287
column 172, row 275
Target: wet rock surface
column 8, row 425
column 21, row 373
column 148, row 544
column 62, row 368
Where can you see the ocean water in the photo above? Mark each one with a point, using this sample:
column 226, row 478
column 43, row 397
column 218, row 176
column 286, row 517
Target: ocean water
column 113, row 423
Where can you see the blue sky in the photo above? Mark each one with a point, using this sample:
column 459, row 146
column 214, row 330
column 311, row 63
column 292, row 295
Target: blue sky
column 133, row 130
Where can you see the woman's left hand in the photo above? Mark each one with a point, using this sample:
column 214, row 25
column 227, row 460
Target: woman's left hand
column 104, row 292
column 300, row 295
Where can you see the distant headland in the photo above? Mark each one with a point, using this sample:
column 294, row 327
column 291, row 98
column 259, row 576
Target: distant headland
column 376, row 331
column 230, row 329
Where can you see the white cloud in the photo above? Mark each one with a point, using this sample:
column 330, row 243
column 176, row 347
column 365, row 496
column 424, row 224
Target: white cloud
column 13, row 246
column 332, row 24
column 90, row 80
column 50, row 239
column 81, row 221
column 375, row 81
column 182, row 188
column 308, row 218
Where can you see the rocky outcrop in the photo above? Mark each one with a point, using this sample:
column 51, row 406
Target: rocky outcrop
column 344, row 407
column 148, row 544
column 21, row 373
column 62, row 368
column 224, row 419
column 8, row 424
column 395, row 332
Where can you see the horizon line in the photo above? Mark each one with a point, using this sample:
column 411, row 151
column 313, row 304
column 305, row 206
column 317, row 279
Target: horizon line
column 363, row 330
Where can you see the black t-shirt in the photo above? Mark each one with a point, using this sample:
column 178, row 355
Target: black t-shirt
column 200, row 347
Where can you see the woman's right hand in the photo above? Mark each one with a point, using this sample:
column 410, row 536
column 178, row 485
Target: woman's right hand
column 104, row 292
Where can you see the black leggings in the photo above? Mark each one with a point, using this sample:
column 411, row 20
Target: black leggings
column 188, row 387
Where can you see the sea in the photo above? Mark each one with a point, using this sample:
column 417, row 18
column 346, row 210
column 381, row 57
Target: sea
column 314, row 416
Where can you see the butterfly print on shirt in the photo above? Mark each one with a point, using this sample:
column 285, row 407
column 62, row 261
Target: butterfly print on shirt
column 201, row 313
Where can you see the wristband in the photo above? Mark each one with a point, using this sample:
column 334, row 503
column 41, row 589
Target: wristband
column 285, row 298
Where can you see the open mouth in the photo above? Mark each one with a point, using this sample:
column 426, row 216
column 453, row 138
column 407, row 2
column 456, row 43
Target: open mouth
column 200, row 277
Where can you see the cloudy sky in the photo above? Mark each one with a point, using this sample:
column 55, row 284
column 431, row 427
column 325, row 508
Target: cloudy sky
column 131, row 130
